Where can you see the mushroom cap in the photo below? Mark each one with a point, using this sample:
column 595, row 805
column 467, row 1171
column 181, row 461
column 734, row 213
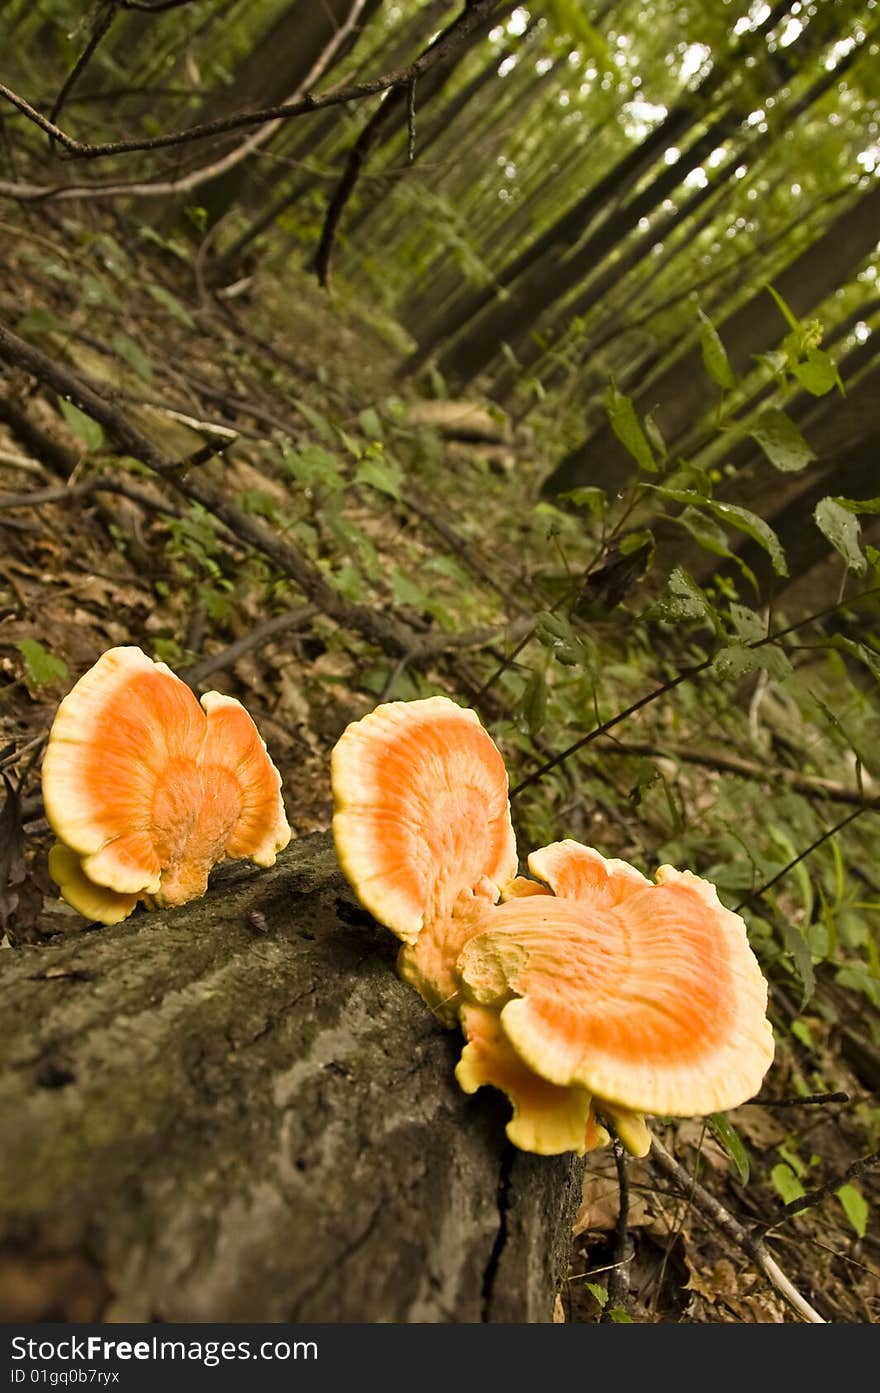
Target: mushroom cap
column 546, row 1119
column 647, row 995
column 148, row 788
column 421, row 811
column 93, row 901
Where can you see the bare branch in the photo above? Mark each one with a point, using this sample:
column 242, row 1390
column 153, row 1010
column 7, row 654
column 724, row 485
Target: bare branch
column 831, row 789
column 102, row 24
column 474, row 13
column 711, row 1209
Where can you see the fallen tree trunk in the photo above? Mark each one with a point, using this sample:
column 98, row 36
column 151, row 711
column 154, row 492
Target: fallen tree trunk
column 236, row 1111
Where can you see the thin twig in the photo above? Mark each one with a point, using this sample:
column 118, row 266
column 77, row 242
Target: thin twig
column 339, row 96
column 831, row 789
column 450, row 38
column 102, row 24
column 780, row 875
column 618, row 1282
column 292, row 619
column 685, row 675
column 814, row 1197
column 752, row 1246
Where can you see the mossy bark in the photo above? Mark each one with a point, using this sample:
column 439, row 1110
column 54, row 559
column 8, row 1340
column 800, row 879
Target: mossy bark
column 236, row 1111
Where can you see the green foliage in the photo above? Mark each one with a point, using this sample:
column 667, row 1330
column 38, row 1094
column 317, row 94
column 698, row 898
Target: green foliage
column 838, row 524
column 43, row 668
column 715, row 359
column 724, row 1131
column 626, row 426
column 90, row 432
column 781, row 441
column 855, row 1207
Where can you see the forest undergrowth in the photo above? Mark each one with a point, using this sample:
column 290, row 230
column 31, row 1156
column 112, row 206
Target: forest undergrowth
column 306, row 536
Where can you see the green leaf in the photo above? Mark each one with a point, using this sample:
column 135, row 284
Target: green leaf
column 861, row 652
column 40, row 322
column 799, row 951
column 683, row 601
column 725, row 1132
column 818, row 374
column 855, row 1207
column 90, row 432
column 736, row 660
column 715, row 359
column 598, row 1292
column 534, row 706
column 842, row 530
column 370, row 424
column 555, row 632
column 619, row 1316
column 754, row 527
column 133, row 355
column 595, row 499
column 786, row 1183
column 625, row 424
column 789, row 317
column 171, row 303
column 380, row 475
column 748, row 625
column 42, row 667
column 781, row 441
column 314, row 418
column 859, row 505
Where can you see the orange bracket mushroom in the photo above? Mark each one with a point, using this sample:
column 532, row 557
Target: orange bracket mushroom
column 594, row 995
column 645, row 997
column 146, row 788
column 423, row 832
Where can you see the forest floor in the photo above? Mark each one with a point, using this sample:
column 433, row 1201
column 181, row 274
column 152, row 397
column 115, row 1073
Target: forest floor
column 309, row 389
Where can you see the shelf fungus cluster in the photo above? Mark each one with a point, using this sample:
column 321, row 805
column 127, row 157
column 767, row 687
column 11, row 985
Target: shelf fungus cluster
column 587, row 993
column 147, row 788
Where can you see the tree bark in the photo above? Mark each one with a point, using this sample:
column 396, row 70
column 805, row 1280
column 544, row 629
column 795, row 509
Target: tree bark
column 683, row 392
column 236, row 1111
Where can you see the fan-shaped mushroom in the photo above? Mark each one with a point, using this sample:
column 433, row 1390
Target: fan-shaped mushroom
column 647, row 996
column 422, row 830
column 146, row 788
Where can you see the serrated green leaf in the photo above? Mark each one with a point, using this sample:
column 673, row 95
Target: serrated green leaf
column 748, row 625
column 855, row 1207
column 619, row 1316
column 818, row 374
column 598, row 1292
column 781, row 441
column 625, row 424
column 842, row 530
column 594, row 499
column 90, row 432
column 730, row 1139
column 735, row 660
column 786, row 1183
column 42, row 667
column 715, row 359
column 683, row 600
